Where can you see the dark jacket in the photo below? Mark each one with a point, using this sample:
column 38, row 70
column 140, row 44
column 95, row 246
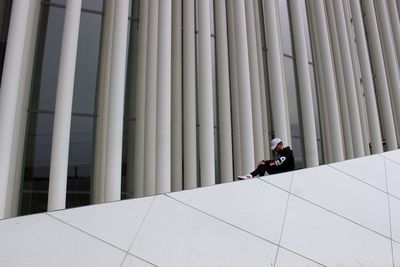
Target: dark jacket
column 284, row 163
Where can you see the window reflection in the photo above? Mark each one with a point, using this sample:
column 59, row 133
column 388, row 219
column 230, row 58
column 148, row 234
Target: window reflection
column 96, row 5
column 285, row 27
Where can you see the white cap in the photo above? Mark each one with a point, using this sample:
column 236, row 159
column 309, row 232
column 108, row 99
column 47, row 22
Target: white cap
column 275, row 142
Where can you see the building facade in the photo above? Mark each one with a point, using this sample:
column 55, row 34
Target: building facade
column 107, row 100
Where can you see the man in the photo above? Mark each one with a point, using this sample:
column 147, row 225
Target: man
column 284, row 163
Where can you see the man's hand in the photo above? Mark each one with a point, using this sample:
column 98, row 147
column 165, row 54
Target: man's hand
column 261, row 162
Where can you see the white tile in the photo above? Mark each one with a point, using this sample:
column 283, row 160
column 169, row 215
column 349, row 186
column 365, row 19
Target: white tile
column 115, row 222
column 393, row 177
column 369, row 169
column 393, row 155
column 132, row 261
column 345, row 196
column 282, row 180
column 252, row 205
column 396, row 254
column 174, row 234
column 331, row 240
column 395, row 216
column 286, row 258
column 40, row 240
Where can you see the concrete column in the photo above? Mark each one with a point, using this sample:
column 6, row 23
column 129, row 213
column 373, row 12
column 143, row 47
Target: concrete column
column 224, row 106
column 357, row 79
column 329, row 82
column 341, row 86
column 263, row 93
column 394, row 19
column 243, row 76
column 348, row 74
column 116, row 102
column 151, row 102
column 254, row 82
column 275, row 63
column 205, row 95
column 237, row 154
column 63, row 109
column 140, row 103
column 306, row 99
column 189, row 97
column 163, row 156
column 366, row 73
column 381, row 82
column 21, row 114
column 390, row 58
column 102, row 105
column 177, row 157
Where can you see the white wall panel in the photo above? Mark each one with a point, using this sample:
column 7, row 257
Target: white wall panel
column 368, row 169
column 286, row 258
column 115, row 223
column 331, row 240
column 40, row 240
column 396, row 254
column 282, row 180
column 253, row 205
column 132, row 261
column 393, row 177
column 174, row 234
column 395, row 216
column 393, row 155
column 345, row 196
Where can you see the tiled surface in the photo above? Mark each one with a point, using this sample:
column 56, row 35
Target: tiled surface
column 332, row 240
column 396, row 254
column 395, row 216
column 393, row 177
column 286, row 258
column 345, row 196
column 393, row 155
column 176, row 235
column 40, row 240
column 132, row 261
column 252, row 205
column 368, row 169
column 115, row 223
column 282, row 180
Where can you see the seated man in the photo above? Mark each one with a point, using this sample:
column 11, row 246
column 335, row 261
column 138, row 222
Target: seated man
column 284, row 163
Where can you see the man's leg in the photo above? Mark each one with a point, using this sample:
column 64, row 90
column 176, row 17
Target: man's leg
column 261, row 168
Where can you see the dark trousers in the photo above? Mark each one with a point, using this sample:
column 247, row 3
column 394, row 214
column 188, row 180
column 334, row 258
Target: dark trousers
column 261, row 170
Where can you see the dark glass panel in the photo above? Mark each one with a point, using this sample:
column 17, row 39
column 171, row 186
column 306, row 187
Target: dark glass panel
column 297, row 147
column 5, row 12
column 315, row 101
column 44, row 93
column 87, row 63
column 306, row 30
column 292, row 96
column 33, row 202
column 285, row 27
column 96, row 5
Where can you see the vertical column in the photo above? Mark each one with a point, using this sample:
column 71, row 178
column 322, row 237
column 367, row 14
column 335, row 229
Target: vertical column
column 205, row 94
column 306, row 99
column 327, row 70
column 138, row 158
column 381, row 82
column 368, row 84
column 189, row 97
column 243, row 76
column 348, row 73
column 151, row 102
column 224, row 107
column 394, row 19
column 254, row 81
column 176, row 99
column 116, row 102
column 390, row 56
column 341, row 86
column 263, row 93
column 62, row 116
column 102, row 105
column 237, row 154
column 163, row 156
column 277, row 88
column 13, row 92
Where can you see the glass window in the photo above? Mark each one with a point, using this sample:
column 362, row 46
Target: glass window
column 87, row 62
column 96, row 5
column 285, row 27
column 306, row 29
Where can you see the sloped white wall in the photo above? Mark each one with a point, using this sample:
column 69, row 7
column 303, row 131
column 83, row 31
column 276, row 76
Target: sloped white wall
column 342, row 214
